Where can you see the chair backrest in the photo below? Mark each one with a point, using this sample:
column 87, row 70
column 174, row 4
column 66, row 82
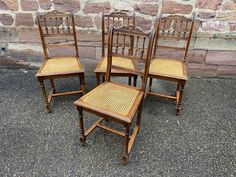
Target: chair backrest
column 57, row 30
column 132, row 44
column 174, row 27
column 118, row 19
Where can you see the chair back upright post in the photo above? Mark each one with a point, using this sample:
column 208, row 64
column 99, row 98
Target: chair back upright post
column 142, row 46
column 54, row 27
column 189, row 37
column 117, row 19
column 174, row 27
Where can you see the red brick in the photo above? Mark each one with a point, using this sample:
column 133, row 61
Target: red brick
column 215, row 26
column 231, row 15
column 143, row 23
column 149, row 9
column 232, row 26
column 221, row 58
column 206, row 4
column 24, row 19
column 195, row 69
column 6, row 19
column 97, row 7
column 28, row 35
column 8, row 34
column 57, row 52
column 171, row 7
column 9, row 5
column 45, row 4
column 98, row 22
column 226, row 71
column 89, row 36
column 194, row 56
column 206, row 15
column 68, row 5
column 25, row 54
column 229, row 6
column 29, row 5
column 84, row 21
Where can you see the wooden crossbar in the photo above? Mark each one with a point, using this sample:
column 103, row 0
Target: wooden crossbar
column 162, row 95
column 67, row 93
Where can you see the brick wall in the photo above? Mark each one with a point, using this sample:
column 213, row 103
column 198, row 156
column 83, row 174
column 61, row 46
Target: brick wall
column 213, row 47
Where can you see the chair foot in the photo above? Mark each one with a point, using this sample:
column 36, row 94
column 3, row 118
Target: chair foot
column 125, row 159
column 178, row 111
column 83, row 141
column 48, row 109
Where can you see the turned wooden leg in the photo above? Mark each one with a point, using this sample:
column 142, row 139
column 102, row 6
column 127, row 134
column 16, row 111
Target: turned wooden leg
column 179, row 103
column 52, row 85
column 129, row 82
column 42, row 86
column 82, row 83
column 81, row 121
column 140, row 109
column 135, row 81
column 103, row 78
column 177, row 88
column 126, row 151
column 150, row 84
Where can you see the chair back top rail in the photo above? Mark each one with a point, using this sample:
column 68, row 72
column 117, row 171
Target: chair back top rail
column 134, row 45
column 118, row 19
column 57, row 30
column 174, row 27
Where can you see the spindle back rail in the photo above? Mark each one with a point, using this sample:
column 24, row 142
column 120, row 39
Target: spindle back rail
column 117, row 19
column 174, row 27
column 131, row 43
column 57, row 30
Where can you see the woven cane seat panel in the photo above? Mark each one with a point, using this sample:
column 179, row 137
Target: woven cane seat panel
column 112, row 97
column 167, row 67
column 116, row 61
column 61, row 65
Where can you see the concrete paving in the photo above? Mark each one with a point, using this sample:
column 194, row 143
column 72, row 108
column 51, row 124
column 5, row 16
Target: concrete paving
column 200, row 142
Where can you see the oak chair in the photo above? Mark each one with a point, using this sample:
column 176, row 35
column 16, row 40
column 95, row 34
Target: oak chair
column 57, row 30
column 175, row 29
column 118, row 19
column 115, row 101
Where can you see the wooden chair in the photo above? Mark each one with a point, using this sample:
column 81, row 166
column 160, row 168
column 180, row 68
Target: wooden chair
column 115, row 101
column 171, row 28
column 57, row 30
column 118, row 19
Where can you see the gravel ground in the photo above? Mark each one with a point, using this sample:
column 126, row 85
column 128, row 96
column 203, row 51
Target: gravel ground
column 200, row 142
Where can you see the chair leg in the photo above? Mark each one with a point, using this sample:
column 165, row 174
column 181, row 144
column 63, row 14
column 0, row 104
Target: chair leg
column 42, row 86
column 178, row 88
column 140, row 109
column 179, row 103
column 52, row 85
column 81, row 121
column 82, row 83
column 126, row 151
column 98, row 80
column 103, row 78
column 135, row 81
column 129, row 80
column 150, row 84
